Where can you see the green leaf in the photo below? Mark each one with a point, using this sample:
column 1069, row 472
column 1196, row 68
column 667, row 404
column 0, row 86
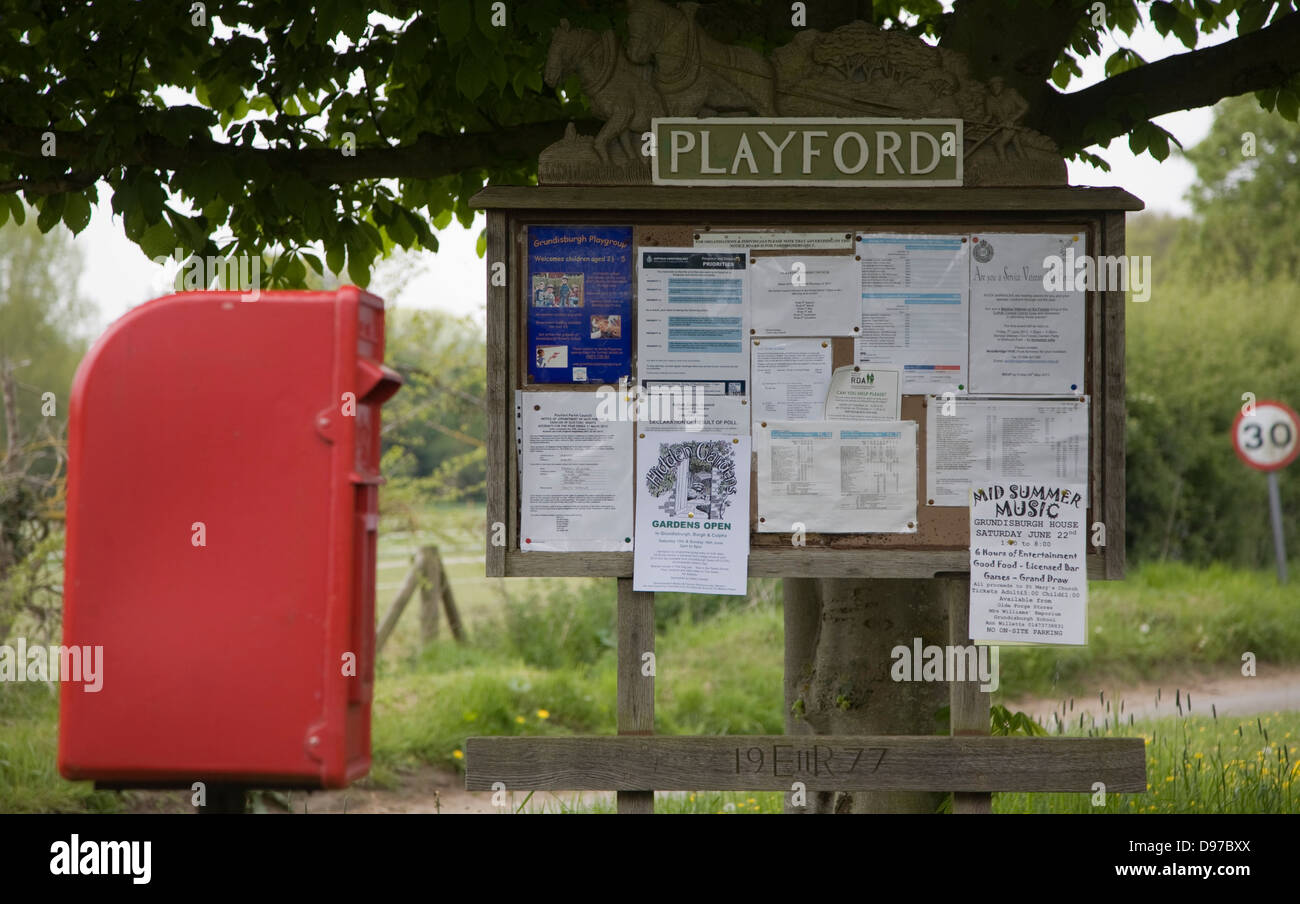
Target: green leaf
column 1158, row 144
column 400, row 231
column 1185, row 29
column 480, row 244
column 1138, row 138
column 371, row 233
column 1123, row 60
column 4, row 209
column 1163, row 15
column 158, row 240
column 358, row 270
column 296, row 272
column 315, row 263
column 278, row 269
column 471, row 77
column 1288, row 105
column 454, row 19
column 76, row 212
column 334, row 256
column 1252, row 15
column 51, row 212
column 1065, row 68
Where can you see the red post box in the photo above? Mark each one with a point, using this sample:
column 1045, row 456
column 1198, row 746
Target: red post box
column 221, row 524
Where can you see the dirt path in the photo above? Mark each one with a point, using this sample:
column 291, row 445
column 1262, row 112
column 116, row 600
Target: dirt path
column 1232, row 694
column 424, row 789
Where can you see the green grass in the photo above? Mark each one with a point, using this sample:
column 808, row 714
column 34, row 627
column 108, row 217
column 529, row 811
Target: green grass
column 541, row 661
column 1197, row 764
column 1194, row 765
column 29, row 779
column 1164, row 619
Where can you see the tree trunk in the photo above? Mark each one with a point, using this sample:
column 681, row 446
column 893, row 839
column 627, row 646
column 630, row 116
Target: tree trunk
column 839, row 673
column 803, row 615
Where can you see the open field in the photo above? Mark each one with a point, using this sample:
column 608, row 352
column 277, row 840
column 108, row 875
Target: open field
column 541, row 661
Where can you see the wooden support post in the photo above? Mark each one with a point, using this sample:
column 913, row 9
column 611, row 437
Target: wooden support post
column 430, row 593
column 803, row 614
column 636, row 690
column 395, row 611
column 969, row 706
column 453, row 614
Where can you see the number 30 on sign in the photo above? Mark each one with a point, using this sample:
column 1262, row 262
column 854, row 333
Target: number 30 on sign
column 1269, row 439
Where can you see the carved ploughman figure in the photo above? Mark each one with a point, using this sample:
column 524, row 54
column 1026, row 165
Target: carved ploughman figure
column 1004, row 107
column 619, row 91
column 695, row 75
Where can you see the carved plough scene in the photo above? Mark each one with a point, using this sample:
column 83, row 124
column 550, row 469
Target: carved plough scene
column 670, row 66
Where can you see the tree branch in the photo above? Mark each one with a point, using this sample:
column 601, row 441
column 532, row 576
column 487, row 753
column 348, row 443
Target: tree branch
column 1262, row 59
column 429, row 157
column 1018, row 41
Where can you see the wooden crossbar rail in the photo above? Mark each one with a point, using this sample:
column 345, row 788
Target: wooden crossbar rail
column 822, row 763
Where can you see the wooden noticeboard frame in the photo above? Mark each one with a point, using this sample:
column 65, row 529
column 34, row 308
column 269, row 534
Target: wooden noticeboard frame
column 669, row 215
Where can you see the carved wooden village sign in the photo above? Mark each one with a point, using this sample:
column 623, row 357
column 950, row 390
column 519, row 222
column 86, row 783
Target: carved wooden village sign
column 671, row 68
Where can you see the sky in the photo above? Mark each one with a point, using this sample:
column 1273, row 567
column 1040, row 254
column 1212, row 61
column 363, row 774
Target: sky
column 117, row 275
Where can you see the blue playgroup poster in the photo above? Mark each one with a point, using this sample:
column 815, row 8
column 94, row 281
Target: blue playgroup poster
column 579, row 304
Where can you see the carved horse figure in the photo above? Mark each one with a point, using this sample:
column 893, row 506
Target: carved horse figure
column 620, row 93
column 695, row 74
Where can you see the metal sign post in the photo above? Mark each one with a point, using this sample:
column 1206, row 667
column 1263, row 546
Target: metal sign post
column 1275, row 515
column 1267, row 438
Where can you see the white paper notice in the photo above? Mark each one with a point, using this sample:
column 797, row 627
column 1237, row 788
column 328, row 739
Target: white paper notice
column 693, row 407
column 790, row 378
column 1028, row 572
column 692, row 513
column 836, row 478
column 693, row 315
column 914, row 308
column 573, row 495
column 987, row 441
column 864, row 394
column 772, row 238
column 805, row 295
column 1025, row 339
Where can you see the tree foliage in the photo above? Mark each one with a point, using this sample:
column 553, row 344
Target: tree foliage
column 435, row 428
column 42, row 320
column 229, row 127
column 1223, row 320
column 1247, row 193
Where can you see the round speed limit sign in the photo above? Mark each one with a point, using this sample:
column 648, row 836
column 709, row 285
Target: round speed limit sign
column 1269, row 439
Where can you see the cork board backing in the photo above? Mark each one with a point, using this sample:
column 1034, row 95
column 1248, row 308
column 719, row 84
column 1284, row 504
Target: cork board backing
column 938, row 527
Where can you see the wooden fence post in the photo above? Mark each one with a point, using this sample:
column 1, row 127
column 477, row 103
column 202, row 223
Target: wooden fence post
column 430, row 593
column 449, row 606
column 636, row 690
column 399, row 603
column 968, row 705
